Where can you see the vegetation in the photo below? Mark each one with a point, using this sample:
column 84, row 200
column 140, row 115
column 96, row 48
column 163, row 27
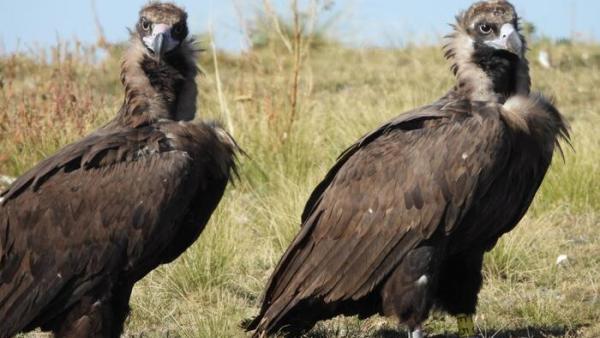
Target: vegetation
column 47, row 101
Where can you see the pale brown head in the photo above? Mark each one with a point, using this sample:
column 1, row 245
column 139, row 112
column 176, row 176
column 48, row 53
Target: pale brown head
column 493, row 24
column 488, row 52
column 162, row 28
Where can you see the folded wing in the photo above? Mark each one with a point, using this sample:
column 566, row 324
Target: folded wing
column 411, row 179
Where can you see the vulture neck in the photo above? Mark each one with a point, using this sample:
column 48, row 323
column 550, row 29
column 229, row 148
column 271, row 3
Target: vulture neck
column 486, row 74
column 153, row 90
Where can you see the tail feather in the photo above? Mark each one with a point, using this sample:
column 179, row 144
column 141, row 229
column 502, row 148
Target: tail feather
column 290, row 319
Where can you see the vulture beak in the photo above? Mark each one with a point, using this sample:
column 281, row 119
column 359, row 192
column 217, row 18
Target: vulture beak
column 160, row 41
column 508, row 40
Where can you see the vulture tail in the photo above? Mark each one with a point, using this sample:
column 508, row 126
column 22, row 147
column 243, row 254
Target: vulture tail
column 290, row 319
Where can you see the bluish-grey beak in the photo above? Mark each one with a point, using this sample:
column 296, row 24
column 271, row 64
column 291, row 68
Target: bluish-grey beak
column 508, row 40
column 158, row 45
column 160, row 41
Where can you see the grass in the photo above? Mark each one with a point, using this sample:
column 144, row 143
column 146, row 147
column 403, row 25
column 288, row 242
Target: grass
column 48, row 101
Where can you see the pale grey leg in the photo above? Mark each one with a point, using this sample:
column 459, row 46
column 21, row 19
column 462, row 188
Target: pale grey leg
column 416, row 333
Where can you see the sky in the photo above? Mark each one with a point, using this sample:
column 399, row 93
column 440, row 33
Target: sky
column 28, row 24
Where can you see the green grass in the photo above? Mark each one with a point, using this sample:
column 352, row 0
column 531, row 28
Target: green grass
column 343, row 93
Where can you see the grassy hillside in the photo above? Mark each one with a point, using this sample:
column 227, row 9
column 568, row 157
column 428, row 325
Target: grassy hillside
column 341, row 94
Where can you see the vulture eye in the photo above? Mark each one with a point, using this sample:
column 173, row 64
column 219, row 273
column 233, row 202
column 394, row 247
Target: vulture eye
column 178, row 29
column 145, row 25
column 485, row 28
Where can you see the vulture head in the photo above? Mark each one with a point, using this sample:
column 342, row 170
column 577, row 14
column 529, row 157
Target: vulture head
column 488, row 52
column 162, row 28
column 158, row 69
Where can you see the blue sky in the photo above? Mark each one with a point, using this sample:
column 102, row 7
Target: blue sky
column 27, row 24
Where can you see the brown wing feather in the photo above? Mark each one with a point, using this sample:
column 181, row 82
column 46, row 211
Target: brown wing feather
column 101, row 209
column 87, row 153
column 392, row 190
column 406, row 121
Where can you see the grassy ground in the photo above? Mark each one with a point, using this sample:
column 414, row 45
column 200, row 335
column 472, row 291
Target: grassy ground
column 342, row 94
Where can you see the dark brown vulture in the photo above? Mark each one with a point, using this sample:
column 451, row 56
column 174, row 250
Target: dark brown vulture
column 83, row 226
column 401, row 222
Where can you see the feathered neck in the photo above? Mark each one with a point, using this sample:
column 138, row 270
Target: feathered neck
column 475, row 82
column 153, row 90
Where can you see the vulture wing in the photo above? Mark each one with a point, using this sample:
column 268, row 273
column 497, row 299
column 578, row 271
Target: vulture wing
column 94, row 211
column 398, row 186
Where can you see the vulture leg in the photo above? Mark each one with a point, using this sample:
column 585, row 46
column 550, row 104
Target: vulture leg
column 88, row 319
column 94, row 318
column 459, row 283
column 416, row 333
column 408, row 293
column 120, row 307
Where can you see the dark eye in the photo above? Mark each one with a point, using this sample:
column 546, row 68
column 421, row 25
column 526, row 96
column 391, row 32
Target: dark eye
column 145, row 24
column 178, row 29
column 485, row 28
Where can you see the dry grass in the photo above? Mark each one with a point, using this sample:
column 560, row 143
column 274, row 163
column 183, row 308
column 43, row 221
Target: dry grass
column 341, row 94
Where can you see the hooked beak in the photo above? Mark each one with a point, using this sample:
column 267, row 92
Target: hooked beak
column 160, row 41
column 508, row 40
column 158, row 45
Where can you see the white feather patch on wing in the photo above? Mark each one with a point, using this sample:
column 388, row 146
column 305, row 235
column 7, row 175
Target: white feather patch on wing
column 422, row 280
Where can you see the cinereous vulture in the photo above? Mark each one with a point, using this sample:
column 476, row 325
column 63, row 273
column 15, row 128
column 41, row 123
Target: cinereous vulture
column 84, row 225
column 401, row 222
